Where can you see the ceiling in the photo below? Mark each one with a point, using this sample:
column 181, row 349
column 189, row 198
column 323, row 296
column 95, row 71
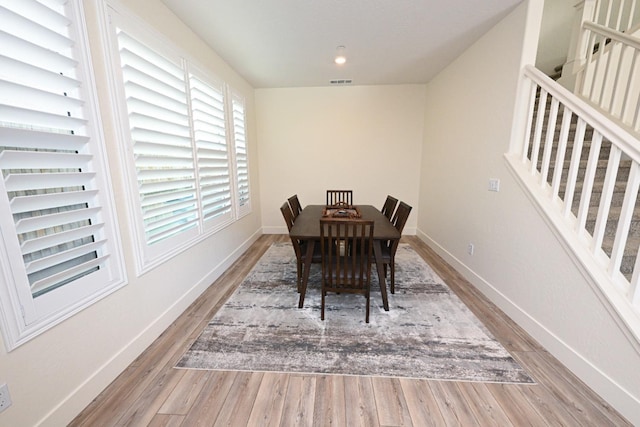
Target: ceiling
column 292, row 43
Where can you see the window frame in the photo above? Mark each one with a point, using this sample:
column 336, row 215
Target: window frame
column 147, row 258
column 24, row 315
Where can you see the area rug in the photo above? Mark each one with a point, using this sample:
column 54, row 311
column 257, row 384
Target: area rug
column 427, row 333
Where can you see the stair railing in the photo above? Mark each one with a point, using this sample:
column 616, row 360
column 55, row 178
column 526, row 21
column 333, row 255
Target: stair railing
column 619, row 15
column 583, row 173
column 610, row 77
column 603, row 64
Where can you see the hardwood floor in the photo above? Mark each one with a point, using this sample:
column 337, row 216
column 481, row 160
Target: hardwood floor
column 150, row 392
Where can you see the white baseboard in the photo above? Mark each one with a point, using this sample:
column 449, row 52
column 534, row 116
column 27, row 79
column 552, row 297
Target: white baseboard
column 606, row 387
column 275, row 230
column 79, row 398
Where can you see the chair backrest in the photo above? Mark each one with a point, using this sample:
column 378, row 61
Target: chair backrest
column 287, row 214
column 339, row 197
column 389, row 206
column 400, row 218
column 288, row 218
column 346, row 256
column 296, row 208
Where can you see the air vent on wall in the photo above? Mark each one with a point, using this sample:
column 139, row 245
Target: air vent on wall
column 341, row 82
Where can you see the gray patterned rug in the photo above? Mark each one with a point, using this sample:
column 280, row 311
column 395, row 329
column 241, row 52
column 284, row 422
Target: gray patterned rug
column 427, row 332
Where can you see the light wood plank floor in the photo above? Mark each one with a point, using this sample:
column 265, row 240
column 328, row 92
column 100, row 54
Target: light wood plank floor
column 150, row 392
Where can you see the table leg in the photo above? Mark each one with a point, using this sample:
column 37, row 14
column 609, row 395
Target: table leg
column 377, row 251
column 305, row 273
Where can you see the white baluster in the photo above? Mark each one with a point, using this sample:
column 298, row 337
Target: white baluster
column 624, row 222
column 562, row 149
column 608, row 189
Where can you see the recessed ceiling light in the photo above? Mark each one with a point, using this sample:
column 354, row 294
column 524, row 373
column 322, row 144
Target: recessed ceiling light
column 340, row 58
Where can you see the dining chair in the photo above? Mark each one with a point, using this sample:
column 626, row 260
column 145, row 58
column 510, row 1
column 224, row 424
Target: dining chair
column 296, row 208
column 389, row 206
column 345, row 271
column 299, row 247
column 389, row 248
column 339, row 197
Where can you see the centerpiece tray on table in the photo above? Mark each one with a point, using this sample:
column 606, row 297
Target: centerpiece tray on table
column 341, row 212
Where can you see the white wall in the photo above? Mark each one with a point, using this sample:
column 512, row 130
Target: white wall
column 365, row 138
column 555, row 34
column 518, row 262
column 54, row 376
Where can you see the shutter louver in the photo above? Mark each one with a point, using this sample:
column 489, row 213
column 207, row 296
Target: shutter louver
column 207, row 105
column 156, row 101
column 45, row 158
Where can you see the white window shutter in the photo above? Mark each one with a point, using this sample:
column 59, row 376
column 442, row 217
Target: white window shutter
column 241, row 156
column 212, row 153
column 60, row 247
column 183, row 136
column 160, row 132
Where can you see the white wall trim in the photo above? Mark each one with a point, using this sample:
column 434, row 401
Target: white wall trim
column 79, row 398
column 275, row 230
column 620, row 398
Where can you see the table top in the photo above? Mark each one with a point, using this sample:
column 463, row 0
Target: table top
column 307, row 224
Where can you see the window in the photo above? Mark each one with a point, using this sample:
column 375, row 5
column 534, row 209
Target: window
column 241, row 157
column 60, row 248
column 160, row 139
column 183, row 138
column 212, row 153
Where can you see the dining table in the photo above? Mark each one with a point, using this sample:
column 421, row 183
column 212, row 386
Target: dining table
column 307, row 228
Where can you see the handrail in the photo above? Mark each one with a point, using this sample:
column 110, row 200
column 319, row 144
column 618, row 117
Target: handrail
column 613, row 34
column 610, row 129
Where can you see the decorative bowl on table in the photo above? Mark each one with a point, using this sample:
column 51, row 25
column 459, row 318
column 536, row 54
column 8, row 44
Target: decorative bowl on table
column 341, row 211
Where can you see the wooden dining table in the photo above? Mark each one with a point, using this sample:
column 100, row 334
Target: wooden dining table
column 307, row 228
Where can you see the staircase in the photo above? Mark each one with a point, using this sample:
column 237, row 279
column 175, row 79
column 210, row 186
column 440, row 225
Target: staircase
column 622, row 174
column 581, row 168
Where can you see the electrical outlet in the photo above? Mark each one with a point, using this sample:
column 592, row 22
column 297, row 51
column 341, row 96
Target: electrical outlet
column 470, row 248
column 494, row 184
column 5, row 398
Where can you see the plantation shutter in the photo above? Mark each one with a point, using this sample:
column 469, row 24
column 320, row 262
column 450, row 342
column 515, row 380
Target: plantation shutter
column 183, row 139
column 158, row 114
column 208, row 113
column 241, row 156
column 54, row 225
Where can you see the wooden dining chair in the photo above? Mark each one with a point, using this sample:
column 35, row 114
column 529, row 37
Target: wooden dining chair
column 345, row 271
column 389, row 206
column 339, row 197
column 296, row 208
column 389, row 248
column 299, row 247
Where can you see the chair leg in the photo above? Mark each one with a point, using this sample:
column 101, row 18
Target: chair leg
column 367, row 315
column 303, row 285
column 393, row 276
column 322, row 306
